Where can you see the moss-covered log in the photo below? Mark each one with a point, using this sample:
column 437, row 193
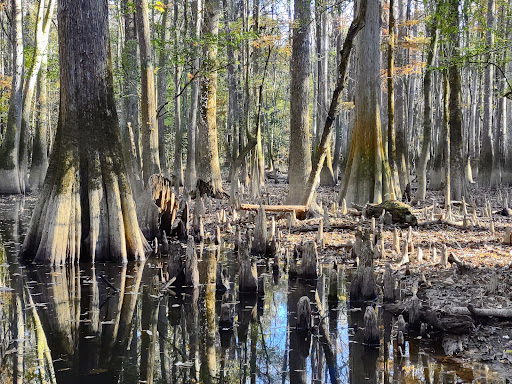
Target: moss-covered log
column 85, row 210
column 400, row 212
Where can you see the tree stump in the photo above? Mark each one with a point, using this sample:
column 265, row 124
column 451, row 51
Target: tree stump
column 191, row 271
column 259, row 244
column 371, row 330
column 414, row 313
column 333, row 283
column 226, row 316
column 320, row 235
column 248, row 275
column 396, row 241
column 363, row 285
column 444, row 257
column 389, row 284
column 222, row 280
column 304, row 317
column 165, row 244
column 308, row 266
column 507, row 239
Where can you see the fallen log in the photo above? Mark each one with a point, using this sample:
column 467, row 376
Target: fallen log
column 470, row 310
column 400, row 212
column 459, row 324
column 300, row 210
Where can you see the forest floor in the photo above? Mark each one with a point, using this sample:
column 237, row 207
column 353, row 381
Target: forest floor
column 487, row 261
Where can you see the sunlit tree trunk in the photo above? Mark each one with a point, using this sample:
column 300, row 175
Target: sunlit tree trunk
column 322, row 42
column 190, row 174
column 130, row 128
column 39, row 164
column 367, row 176
column 163, row 64
column 11, row 177
column 85, row 210
column 209, row 179
column 458, row 180
column 44, row 19
column 487, row 155
column 300, row 147
column 427, row 112
column 391, row 133
column 150, row 154
column 178, row 152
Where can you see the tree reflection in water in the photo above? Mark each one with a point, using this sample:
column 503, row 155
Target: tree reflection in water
column 113, row 324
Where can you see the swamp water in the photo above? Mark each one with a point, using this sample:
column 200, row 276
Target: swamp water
column 113, row 324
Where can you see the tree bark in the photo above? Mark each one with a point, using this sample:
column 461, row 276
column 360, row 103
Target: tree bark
column 39, row 164
column 11, row 177
column 427, row 111
column 190, row 174
column 300, row 147
column 44, row 18
column 85, row 210
column 487, row 155
column 163, row 65
column 367, row 176
column 130, row 128
column 150, row 153
column 208, row 167
column 458, row 180
column 391, row 98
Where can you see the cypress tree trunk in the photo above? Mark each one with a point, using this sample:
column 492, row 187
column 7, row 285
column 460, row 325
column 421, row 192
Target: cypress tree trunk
column 40, row 146
column 130, row 129
column 11, row 180
column 150, row 154
column 300, row 147
column 44, row 18
column 85, row 210
column 163, row 64
column 178, row 152
column 427, row 113
column 209, row 180
column 367, row 175
column 391, row 98
column 458, row 180
column 487, row 155
column 190, row 174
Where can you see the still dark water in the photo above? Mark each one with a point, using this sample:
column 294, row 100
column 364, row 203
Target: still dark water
column 111, row 324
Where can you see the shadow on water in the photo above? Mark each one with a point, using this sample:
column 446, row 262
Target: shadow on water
column 113, row 324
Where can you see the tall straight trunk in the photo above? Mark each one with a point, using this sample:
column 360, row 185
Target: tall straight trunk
column 487, row 155
column 258, row 160
column 233, row 107
column 446, row 142
column 367, row 175
column 130, row 128
column 163, row 65
column 322, row 39
column 44, row 19
column 150, row 154
column 11, row 179
column 427, row 111
column 178, row 151
column 458, row 179
column 391, row 98
column 300, row 148
column 85, row 210
column 39, row 164
column 190, row 174
column 209, row 179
